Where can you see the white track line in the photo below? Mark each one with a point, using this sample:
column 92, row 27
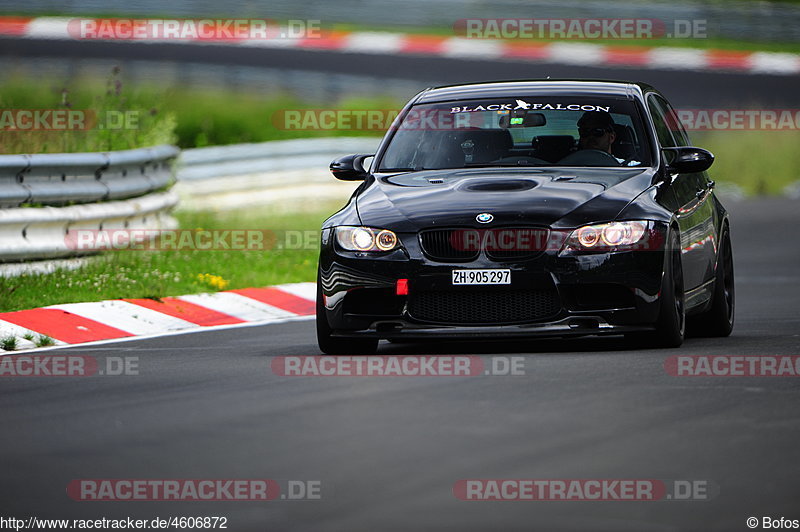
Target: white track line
column 237, row 306
column 304, row 290
column 677, row 58
column 373, row 42
column 573, row 53
column 774, row 63
column 49, row 28
column 126, row 316
column 471, row 48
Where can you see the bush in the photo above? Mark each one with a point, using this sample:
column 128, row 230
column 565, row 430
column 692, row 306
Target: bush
column 116, row 118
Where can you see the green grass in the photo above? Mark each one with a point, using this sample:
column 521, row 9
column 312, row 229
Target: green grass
column 761, row 162
column 188, row 117
column 43, row 340
column 119, row 117
column 214, row 117
column 156, row 274
column 8, row 343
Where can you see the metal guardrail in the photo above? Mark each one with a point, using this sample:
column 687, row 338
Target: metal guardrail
column 68, row 178
column 45, row 197
column 49, row 232
column 274, row 156
column 126, row 189
column 287, row 172
column 292, row 173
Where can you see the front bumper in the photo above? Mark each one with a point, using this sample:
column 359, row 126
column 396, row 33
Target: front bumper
column 590, row 294
column 583, row 326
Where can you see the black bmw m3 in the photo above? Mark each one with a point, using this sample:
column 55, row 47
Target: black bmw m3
column 527, row 208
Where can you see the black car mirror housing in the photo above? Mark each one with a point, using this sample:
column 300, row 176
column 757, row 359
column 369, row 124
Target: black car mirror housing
column 687, row 159
column 350, row 167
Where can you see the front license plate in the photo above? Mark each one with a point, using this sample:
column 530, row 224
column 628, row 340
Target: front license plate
column 481, row 276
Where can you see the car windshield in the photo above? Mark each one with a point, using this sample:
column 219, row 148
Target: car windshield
column 524, row 131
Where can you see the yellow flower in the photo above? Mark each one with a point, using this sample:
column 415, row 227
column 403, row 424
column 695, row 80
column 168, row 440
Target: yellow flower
column 214, row 281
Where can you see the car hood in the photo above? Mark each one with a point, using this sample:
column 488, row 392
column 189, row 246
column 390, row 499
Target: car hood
column 565, row 197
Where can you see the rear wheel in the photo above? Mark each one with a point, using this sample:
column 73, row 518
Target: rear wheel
column 717, row 321
column 332, row 345
column 671, row 324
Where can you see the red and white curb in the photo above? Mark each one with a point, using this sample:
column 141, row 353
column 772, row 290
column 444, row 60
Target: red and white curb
column 386, row 43
column 76, row 323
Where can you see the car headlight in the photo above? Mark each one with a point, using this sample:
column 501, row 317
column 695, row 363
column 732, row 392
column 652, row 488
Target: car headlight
column 606, row 237
column 366, row 239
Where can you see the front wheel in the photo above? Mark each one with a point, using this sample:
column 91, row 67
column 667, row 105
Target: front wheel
column 332, row 345
column 717, row 321
column 671, row 324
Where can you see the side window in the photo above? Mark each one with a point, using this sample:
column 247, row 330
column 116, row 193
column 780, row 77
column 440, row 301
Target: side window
column 673, row 122
column 660, row 123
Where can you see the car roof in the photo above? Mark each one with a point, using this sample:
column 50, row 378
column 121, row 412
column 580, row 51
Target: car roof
column 514, row 88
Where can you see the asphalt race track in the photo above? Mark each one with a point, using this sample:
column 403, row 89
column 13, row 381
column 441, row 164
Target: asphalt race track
column 683, row 88
column 389, row 450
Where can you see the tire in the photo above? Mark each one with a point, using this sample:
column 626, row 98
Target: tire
column 332, row 345
column 671, row 323
column 718, row 320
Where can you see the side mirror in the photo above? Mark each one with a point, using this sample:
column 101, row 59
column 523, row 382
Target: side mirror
column 688, row 159
column 349, row 167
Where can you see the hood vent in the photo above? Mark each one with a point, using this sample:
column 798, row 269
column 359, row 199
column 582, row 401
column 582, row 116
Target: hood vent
column 498, row 185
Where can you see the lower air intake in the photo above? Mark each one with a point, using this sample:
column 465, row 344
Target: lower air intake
column 479, row 307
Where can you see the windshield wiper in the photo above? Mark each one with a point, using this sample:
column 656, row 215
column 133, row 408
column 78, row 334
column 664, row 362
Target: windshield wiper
column 417, row 169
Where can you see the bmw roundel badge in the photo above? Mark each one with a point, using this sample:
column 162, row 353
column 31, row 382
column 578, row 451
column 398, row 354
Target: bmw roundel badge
column 484, row 218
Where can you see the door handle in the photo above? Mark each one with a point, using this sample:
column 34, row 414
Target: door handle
column 711, row 184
